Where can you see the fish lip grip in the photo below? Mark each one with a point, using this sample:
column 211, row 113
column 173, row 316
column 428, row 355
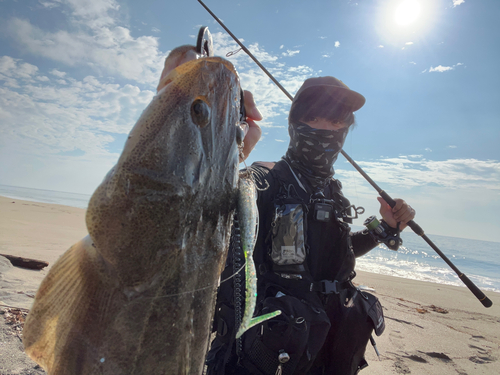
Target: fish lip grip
column 205, row 45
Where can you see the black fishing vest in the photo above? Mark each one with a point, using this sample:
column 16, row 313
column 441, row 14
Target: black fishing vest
column 307, row 293
column 327, row 244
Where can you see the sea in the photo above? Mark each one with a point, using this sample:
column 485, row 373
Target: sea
column 415, row 259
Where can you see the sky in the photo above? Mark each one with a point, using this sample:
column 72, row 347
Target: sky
column 75, row 75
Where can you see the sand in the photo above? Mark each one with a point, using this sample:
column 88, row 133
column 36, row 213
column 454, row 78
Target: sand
column 38, row 231
column 430, row 328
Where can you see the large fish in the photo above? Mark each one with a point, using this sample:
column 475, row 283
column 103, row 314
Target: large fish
column 136, row 296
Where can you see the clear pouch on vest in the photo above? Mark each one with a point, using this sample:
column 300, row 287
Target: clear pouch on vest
column 288, row 237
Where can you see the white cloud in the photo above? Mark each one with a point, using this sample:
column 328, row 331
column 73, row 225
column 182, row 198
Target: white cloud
column 413, row 63
column 280, row 140
column 337, row 44
column 57, row 73
column 428, row 149
column 282, row 46
column 94, row 39
column 261, row 54
column 93, row 13
column 49, row 4
column 290, row 53
column 409, row 43
column 44, row 118
column 41, row 121
column 452, row 146
column 155, row 30
column 10, row 67
column 440, row 69
column 7, row 64
column 457, row 2
column 380, row 46
column 452, row 174
column 322, row 37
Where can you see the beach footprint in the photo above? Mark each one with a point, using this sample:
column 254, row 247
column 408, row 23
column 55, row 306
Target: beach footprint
column 401, row 367
column 482, row 355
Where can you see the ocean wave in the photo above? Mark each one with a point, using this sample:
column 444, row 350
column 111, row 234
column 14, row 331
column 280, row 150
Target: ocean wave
column 420, row 265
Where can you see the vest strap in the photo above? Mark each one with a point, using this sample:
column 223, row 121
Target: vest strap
column 328, row 287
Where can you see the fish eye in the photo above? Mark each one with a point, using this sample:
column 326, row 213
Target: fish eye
column 200, row 113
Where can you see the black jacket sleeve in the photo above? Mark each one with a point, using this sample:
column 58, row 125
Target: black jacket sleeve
column 362, row 242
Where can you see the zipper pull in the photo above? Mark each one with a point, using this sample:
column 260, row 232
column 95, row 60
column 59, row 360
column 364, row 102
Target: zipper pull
column 283, row 357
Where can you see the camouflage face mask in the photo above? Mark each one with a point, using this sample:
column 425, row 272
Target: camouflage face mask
column 312, row 152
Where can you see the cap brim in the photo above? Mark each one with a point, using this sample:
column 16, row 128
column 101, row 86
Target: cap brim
column 347, row 97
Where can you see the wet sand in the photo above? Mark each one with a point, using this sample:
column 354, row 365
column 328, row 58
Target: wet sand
column 430, row 328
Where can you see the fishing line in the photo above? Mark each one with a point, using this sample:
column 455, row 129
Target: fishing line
column 189, row 291
column 200, row 289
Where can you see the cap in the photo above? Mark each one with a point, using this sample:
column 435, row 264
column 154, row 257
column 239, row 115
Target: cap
column 336, row 88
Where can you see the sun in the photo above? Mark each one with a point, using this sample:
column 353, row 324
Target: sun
column 401, row 21
column 407, row 12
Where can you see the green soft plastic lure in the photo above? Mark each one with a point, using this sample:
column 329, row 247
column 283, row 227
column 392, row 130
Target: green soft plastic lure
column 248, row 216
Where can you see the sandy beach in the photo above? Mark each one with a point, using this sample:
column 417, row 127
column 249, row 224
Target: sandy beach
column 430, row 328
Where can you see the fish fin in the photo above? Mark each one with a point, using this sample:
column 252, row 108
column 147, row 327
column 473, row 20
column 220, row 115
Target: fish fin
column 254, row 321
column 57, row 334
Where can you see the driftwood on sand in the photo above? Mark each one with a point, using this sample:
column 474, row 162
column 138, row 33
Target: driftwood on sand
column 32, row 264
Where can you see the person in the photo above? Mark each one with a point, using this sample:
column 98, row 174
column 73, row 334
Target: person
column 304, row 253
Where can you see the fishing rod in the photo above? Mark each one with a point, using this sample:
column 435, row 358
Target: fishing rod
column 413, row 225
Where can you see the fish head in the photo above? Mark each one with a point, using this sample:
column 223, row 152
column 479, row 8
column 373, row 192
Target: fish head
column 178, row 172
column 188, row 137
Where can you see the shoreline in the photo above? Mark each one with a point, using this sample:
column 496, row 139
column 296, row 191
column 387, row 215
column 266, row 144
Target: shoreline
column 431, row 328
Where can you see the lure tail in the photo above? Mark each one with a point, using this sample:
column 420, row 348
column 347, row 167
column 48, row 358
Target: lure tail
column 247, row 321
column 254, row 321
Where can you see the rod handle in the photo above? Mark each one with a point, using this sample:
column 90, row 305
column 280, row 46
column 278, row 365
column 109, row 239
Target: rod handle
column 476, row 291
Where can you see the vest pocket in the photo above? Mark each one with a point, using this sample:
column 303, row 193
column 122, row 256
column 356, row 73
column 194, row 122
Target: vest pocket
column 288, row 236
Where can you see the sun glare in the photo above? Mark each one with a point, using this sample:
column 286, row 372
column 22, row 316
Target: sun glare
column 399, row 22
column 407, row 12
